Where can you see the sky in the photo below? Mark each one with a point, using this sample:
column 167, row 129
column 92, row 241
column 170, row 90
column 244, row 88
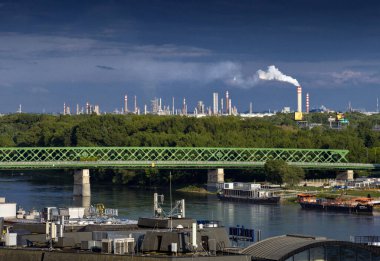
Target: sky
column 95, row 51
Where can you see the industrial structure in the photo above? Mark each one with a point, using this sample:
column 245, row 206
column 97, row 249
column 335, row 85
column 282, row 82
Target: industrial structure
column 219, row 107
column 215, row 102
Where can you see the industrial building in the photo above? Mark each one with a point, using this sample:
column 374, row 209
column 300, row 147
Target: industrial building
column 219, row 107
column 308, row 248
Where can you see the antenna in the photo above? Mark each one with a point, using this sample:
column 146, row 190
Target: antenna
column 377, row 104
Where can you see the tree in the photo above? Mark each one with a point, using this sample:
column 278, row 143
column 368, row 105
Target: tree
column 279, row 172
column 294, row 175
column 275, row 171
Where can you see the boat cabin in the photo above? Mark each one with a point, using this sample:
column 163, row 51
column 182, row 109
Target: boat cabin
column 306, row 198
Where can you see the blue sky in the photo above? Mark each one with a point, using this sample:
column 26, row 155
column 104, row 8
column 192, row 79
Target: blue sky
column 76, row 51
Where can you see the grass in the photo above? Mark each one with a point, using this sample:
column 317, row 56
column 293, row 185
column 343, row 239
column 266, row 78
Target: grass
column 194, row 189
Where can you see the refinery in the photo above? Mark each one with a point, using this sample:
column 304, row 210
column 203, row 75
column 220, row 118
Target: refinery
column 221, row 103
column 221, row 106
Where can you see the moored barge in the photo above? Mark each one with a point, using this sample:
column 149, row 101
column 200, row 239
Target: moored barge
column 355, row 205
column 248, row 192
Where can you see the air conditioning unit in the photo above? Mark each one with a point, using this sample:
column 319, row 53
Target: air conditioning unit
column 123, row 245
column 11, row 239
column 120, row 247
column 107, row 246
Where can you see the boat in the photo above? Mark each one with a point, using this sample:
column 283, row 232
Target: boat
column 354, row 205
column 248, row 192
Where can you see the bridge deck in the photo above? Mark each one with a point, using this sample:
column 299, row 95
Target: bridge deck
column 174, row 165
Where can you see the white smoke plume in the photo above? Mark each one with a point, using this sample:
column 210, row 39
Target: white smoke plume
column 273, row 74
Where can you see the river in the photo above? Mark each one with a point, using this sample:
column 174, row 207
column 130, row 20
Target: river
column 133, row 203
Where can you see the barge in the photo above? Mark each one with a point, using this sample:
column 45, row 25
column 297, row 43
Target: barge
column 355, row 205
column 249, row 193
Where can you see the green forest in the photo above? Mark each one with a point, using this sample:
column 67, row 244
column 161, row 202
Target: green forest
column 281, row 131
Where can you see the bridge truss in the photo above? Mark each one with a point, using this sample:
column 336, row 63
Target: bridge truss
column 165, row 157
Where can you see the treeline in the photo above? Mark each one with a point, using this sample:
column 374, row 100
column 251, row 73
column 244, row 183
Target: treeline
column 280, row 131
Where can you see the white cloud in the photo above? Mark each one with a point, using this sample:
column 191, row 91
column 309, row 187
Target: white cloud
column 169, row 50
column 355, row 77
column 42, row 60
column 47, row 60
column 335, row 74
column 346, row 76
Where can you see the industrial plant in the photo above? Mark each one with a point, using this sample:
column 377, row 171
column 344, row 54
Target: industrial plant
column 219, row 107
column 221, row 104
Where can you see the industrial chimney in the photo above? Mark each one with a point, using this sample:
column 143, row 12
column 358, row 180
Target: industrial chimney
column 227, row 103
column 299, row 99
column 125, row 104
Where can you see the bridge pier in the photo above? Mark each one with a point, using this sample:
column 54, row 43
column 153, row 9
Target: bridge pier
column 82, row 202
column 345, row 175
column 82, row 183
column 215, row 179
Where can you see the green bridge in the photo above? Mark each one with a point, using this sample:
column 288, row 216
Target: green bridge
column 169, row 157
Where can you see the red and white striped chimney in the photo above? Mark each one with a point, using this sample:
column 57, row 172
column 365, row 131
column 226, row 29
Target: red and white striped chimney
column 299, row 99
column 307, row 103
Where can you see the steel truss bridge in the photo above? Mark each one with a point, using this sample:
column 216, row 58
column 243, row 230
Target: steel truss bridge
column 169, row 157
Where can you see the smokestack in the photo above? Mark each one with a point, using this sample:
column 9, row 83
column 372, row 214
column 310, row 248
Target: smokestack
column 125, row 104
column 172, row 105
column 227, row 103
column 299, row 99
column 307, row 103
column 135, row 104
column 184, row 110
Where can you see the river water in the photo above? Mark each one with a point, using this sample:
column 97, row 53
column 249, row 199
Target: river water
column 134, row 203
